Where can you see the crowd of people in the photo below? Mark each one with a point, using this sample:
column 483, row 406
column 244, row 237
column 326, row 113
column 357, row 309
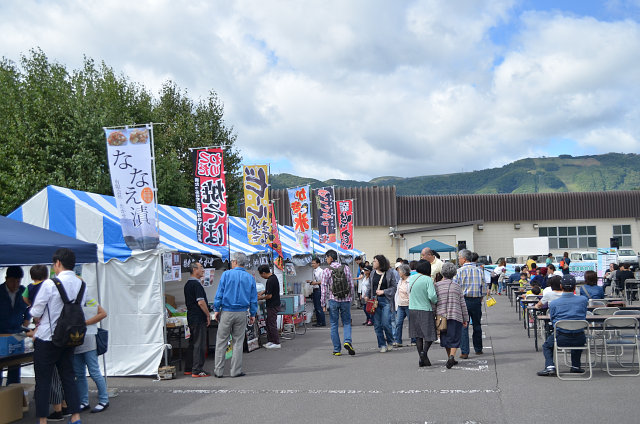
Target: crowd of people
column 60, row 369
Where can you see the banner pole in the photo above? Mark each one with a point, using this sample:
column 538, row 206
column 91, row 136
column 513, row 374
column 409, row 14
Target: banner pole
column 153, row 169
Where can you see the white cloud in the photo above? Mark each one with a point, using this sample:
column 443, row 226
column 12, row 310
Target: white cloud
column 361, row 89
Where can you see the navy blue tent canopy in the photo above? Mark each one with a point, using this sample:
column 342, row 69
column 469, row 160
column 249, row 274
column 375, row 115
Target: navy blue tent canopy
column 432, row 244
column 25, row 244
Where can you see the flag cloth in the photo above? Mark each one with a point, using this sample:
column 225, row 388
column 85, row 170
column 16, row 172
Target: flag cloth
column 129, row 156
column 256, row 203
column 299, row 201
column 275, row 242
column 345, row 216
column 211, row 197
column 325, row 201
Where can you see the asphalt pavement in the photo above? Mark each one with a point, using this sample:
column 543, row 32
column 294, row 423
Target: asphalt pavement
column 304, row 382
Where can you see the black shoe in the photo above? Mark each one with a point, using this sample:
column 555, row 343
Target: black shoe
column 55, row 416
column 65, row 412
column 547, row 372
column 239, row 375
column 450, row 362
column 319, row 325
column 100, row 407
column 575, row 370
column 217, row 376
column 480, row 353
column 86, row 407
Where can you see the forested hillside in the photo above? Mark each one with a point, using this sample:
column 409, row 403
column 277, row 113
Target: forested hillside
column 611, row 171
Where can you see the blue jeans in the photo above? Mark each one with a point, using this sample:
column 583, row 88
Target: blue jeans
column 317, row 306
column 564, row 340
column 500, row 286
column 382, row 322
column 401, row 314
column 474, row 306
column 89, row 360
column 340, row 310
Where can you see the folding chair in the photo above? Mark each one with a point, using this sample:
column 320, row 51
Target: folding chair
column 621, row 332
column 606, row 310
column 529, row 312
column 628, row 312
column 594, row 302
column 571, row 325
column 631, row 288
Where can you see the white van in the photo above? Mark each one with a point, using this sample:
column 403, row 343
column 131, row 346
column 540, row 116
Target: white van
column 583, row 256
column 627, row 256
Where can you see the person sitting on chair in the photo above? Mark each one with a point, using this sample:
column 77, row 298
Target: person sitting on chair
column 567, row 307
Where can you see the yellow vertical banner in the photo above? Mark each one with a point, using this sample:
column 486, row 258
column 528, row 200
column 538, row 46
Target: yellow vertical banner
column 256, row 203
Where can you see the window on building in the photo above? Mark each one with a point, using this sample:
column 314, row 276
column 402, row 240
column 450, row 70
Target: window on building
column 623, row 233
column 582, row 237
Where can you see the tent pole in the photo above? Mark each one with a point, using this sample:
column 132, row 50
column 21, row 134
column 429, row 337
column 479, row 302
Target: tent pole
column 104, row 359
column 162, row 310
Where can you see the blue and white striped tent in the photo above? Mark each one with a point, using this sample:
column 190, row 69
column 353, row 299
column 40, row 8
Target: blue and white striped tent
column 94, row 218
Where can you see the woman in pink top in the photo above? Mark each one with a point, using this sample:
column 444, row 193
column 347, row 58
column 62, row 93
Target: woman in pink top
column 402, row 301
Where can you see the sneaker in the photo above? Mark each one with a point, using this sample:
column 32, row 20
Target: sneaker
column 86, row 407
column 55, row 416
column 337, row 354
column 369, row 324
column 398, row 345
column 65, row 412
column 451, row 362
column 383, row 349
column 200, row 374
column 547, row 372
column 349, row 348
column 187, row 373
column 464, row 356
column 413, row 343
column 575, row 370
column 101, row 407
column 268, row 345
column 395, row 345
column 273, row 346
column 437, row 340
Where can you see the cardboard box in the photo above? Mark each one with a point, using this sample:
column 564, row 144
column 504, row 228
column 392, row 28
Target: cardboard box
column 167, row 373
column 26, row 389
column 11, row 398
column 171, row 300
column 11, row 345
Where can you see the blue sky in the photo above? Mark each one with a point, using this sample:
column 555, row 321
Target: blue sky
column 364, row 88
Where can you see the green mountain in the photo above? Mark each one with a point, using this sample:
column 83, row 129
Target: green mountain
column 611, row 171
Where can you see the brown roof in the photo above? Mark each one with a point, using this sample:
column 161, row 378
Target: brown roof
column 518, row 207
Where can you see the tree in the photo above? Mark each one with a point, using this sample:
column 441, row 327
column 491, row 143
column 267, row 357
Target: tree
column 52, row 130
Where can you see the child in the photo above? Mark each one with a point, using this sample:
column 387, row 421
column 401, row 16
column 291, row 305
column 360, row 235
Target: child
column 523, row 280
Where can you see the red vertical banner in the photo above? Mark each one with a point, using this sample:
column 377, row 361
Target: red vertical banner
column 275, row 242
column 345, row 223
column 211, row 197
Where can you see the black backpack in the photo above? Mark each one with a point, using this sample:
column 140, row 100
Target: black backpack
column 340, row 287
column 71, row 327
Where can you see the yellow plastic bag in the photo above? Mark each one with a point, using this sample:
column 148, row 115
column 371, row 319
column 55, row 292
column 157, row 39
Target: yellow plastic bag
column 490, row 301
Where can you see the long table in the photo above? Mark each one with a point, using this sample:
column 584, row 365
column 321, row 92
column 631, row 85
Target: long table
column 21, row 359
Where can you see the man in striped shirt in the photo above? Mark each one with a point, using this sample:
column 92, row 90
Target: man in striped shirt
column 471, row 280
column 339, row 308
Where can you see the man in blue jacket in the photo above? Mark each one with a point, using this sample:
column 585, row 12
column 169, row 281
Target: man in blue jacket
column 236, row 294
column 13, row 312
column 566, row 307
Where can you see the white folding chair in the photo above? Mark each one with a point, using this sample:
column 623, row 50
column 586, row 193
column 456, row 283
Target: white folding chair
column 620, row 332
column 605, row 310
column 595, row 302
column 571, row 325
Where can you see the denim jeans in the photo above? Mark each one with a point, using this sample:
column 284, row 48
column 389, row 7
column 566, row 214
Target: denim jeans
column 401, row 314
column 564, row 340
column 340, row 310
column 382, row 322
column 474, row 306
column 320, row 318
column 90, row 361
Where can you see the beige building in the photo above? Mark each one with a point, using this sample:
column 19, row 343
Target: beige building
column 390, row 225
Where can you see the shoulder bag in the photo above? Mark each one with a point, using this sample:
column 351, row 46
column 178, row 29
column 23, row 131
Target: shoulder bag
column 372, row 304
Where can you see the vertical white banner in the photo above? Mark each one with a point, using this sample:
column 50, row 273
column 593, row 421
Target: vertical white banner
column 130, row 166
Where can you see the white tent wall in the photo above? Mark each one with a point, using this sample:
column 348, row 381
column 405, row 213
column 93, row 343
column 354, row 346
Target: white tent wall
column 131, row 293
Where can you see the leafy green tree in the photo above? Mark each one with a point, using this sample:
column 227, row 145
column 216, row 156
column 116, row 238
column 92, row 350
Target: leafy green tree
column 52, row 130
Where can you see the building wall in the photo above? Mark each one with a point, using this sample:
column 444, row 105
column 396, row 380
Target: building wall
column 496, row 238
column 376, row 240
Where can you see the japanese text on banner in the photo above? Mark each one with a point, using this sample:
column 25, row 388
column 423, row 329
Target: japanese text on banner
column 256, row 202
column 211, row 198
column 325, row 200
column 129, row 156
column 345, row 223
column 299, row 201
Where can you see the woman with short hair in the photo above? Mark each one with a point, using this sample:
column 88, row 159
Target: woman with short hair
column 591, row 289
column 451, row 304
column 422, row 297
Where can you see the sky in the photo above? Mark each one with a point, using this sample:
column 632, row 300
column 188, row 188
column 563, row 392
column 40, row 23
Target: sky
column 356, row 89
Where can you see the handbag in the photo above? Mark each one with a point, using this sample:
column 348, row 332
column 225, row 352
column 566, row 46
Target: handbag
column 102, row 341
column 441, row 320
column 490, row 301
column 372, row 304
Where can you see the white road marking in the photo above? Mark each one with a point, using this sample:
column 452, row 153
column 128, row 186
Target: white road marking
column 310, row 391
